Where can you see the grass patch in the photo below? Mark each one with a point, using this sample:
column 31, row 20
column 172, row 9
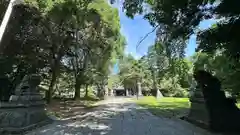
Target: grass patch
column 167, row 107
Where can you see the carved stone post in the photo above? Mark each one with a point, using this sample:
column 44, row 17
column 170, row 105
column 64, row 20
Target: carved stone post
column 139, row 89
column 111, row 92
column 156, row 91
column 127, row 94
column 159, row 94
column 106, row 91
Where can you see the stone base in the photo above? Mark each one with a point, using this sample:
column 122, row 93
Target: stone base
column 199, row 111
column 17, row 131
column 198, row 114
column 14, row 98
column 18, row 119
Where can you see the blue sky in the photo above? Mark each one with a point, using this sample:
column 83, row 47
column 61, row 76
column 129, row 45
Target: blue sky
column 135, row 29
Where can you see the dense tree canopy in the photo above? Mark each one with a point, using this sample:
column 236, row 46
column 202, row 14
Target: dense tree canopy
column 175, row 21
column 154, row 70
column 78, row 40
column 179, row 19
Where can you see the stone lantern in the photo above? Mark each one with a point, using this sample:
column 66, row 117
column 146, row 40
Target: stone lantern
column 156, row 92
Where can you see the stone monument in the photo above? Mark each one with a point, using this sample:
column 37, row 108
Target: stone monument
column 25, row 109
column 127, row 92
column 159, row 94
column 111, row 92
column 139, row 89
column 106, row 91
column 27, row 91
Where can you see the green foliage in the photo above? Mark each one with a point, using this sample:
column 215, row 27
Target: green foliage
column 74, row 43
column 172, row 72
column 221, row 66
column 21, row 52
column 71, row 43
column 113, row 81
column 131, row 72
column 157, row 69
column 175, row 21
column 224, row 35
column 171, row 87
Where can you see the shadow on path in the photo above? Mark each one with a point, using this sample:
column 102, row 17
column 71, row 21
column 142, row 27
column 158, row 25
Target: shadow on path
column 118, row 118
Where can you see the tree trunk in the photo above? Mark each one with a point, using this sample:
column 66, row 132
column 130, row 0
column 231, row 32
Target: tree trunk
column 77, row 90
column 55, row 69
column 100, row 92
column 51, row 87
column 86, row 91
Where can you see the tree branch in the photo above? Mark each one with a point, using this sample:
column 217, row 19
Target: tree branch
column 146, row 36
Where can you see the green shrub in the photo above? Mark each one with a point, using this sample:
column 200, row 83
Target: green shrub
column 171, row 87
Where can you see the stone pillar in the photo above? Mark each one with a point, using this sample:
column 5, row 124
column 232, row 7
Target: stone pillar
column 111, row 92
column 139, row 89
column 127, row 92
column 106, row 91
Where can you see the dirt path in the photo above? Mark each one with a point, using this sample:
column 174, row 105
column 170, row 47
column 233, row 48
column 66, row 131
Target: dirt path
column 119, row 116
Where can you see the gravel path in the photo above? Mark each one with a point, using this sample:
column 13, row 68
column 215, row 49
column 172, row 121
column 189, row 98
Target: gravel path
column 119, row 117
